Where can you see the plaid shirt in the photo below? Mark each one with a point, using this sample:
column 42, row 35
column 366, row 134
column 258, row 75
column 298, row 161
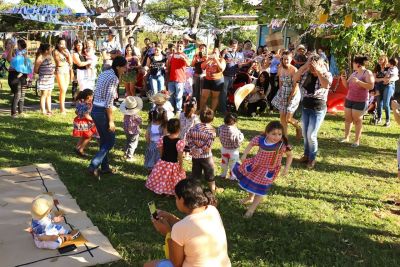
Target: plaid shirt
column 132, row 124
column 230, row 136
column 106, row 87
column 320, row 93
column 199, row 139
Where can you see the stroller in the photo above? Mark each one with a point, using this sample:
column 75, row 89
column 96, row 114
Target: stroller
column 241, row 78
column 372, row 108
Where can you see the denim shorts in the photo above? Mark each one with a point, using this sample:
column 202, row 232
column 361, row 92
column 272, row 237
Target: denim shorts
column 361, row 106
column 214, row 85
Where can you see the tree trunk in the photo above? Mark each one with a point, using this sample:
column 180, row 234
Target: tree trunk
column 194, row 14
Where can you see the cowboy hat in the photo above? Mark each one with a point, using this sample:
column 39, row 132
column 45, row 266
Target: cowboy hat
column 131, row 105
column 159, row 98
column 300, row 46
column 41, row 206
column 241, row 94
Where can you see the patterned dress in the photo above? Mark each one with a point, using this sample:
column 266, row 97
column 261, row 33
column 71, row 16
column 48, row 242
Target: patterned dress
column 152, row 154
column 45, row 226
column 186, row 124
column 280, row 101
column 46, row 75
column 83, row 127
column 167, row 172
column 257, row 174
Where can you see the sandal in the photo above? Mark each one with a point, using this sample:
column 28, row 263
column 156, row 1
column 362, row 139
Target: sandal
column 81, row 154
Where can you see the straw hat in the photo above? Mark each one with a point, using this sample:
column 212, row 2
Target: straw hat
column 300, row 46
column 159, row 98
column 241, row 94
column 131, row 105
column 41, row 206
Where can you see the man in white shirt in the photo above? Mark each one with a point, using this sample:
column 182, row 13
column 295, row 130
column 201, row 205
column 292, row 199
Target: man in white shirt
column 110, row 45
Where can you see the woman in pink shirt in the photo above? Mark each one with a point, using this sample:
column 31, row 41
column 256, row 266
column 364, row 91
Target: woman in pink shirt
column 197, row 240
column 360, row 82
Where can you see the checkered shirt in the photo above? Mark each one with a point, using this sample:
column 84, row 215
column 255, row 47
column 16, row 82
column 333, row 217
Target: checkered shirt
column 320, row 93
column 106, row 88
column 132, row 124
column 199, row 139
column 230, row 136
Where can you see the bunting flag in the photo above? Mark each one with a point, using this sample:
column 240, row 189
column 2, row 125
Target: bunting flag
column 323, row 18
column 348, row 20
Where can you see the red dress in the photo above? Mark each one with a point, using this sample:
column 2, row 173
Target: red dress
column 83, row 127
column 257, row 174
column 167, row 172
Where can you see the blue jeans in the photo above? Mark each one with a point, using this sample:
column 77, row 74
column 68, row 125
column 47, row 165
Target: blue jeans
column 107, row 139
column 311, row 122
column 176, row 90
column 223, row 96
column 384, row 100
column 156, row 83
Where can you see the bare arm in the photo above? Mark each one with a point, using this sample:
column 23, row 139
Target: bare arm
column 396, row 113
column 176, row 253
column 289, row 159
column 77, row 61
column 38, row 62
column 246, row 151
column 111, row 125
column 147, row 136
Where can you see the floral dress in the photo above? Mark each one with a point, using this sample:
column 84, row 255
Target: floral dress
column 257, row 174
column 167, row 171
column 83, row 127
column 281, row 102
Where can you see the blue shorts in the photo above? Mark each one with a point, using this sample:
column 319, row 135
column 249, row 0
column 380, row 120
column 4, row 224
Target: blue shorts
column 164, row 263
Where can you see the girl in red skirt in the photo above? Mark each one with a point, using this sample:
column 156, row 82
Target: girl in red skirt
column 168, row 170
column 84, row 126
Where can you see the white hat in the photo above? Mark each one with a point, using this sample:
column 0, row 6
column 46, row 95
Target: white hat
column 159, row 98
column 131, row 105
column 41, row 206
column 300, row 46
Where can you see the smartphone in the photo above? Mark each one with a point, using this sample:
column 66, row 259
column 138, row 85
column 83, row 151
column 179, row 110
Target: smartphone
column 66, row 249
column 152, row 209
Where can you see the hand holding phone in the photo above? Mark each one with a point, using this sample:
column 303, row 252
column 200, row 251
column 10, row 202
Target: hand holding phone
column 153, row 209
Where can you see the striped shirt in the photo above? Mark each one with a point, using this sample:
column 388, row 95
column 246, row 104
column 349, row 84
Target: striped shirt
column 318, row 92
column 106, row 88
column 230, row 136
column 199, row 139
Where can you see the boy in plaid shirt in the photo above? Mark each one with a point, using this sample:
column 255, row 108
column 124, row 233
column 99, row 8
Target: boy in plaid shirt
column 199, row 140
column 231, row 138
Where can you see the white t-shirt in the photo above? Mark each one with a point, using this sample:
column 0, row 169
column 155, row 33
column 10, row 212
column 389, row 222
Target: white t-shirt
column 204, row 240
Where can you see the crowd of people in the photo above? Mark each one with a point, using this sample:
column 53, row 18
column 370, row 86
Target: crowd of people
column 180, row 82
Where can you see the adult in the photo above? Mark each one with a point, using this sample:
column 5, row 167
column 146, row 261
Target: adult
column 111, row 44
column 214, row 80
column 257, row 102
column 131, row 42
column 275, row 61
column 198, row 76
column 248, row 51
column 176, row 66
column 146, row 51
column 91, row 71
column 19, row 64
column 387, row 76
column 288, row 97
column 379, row 74
column 80, row 64
column 300, row 57
column 315, row 81
column 255, row 70
column 356, row 103
column 102, row 114
column 133, row 67
column 156, row 66
column 234, row 60
column 45, row 67
column 64, row 72
column 199, row 238
column 190, row 46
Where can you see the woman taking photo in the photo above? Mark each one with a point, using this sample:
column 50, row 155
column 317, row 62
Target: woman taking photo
column 44, row 67
column 80, row 64
column 198, row 239
column 63, row 72
column 359, row 84
column 131, row 73
column 102, row 114
column 214, row 80
column 156, row 65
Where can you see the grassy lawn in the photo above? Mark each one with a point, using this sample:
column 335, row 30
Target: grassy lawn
column 331, row 216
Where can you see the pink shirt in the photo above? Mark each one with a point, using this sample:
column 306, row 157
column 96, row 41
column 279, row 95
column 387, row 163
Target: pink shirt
column 357, row 93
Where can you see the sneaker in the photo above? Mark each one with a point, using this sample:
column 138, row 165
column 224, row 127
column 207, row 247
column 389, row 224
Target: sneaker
column 95, row 173
column 387, row 124
column 379, row 121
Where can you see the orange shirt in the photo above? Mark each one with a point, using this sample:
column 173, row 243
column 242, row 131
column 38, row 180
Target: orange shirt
column 213, row 72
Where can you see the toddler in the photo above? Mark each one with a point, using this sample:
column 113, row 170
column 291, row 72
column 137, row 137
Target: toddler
column 231, row 138
column 187, row 120
column 130, row 107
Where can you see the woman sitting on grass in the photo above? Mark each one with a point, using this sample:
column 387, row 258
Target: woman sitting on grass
column 199, row 239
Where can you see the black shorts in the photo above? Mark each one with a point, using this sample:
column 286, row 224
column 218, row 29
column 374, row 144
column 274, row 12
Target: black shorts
column 205, row 165
column 361, row 106
column 214, row 85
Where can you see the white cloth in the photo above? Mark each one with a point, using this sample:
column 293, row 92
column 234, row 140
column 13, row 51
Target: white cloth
column 229, row 157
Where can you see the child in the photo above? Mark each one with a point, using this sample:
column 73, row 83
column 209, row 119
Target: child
column 168, row 170
column 46, row 231
column 130, row 107
column 257, row 174
column 187, row 120
column 91, row 69
column 158, row 120
column 161, row 100
column 231, row 138
column 199, row 140
column 84, row 126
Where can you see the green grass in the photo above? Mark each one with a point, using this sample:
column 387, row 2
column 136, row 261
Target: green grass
column 330, row 216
